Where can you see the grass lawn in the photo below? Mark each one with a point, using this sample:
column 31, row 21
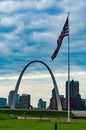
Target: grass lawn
column 37, row 124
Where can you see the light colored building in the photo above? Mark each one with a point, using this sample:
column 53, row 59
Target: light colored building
column 10, row 97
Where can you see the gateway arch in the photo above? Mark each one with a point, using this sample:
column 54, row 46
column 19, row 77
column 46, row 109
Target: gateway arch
column 53, row 80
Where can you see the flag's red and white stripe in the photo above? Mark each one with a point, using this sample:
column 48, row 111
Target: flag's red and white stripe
column 65, row 32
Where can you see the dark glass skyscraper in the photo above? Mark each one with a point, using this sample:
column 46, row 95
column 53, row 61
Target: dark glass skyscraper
column 41, row 104
column 3, row 102
column 76, row 102
column 74, row 89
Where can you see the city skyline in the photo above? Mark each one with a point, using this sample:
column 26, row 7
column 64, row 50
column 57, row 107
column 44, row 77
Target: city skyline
column 29, row 31
column 23, row 101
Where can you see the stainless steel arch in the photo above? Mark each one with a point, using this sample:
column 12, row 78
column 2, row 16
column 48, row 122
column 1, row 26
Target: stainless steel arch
column 53, row 79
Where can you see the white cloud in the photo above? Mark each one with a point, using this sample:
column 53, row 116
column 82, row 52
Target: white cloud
column 41, row 75
column 42, row 4
column 4, row 49
column 42, row 37
column 77, row 13
column 12, row 20
column 7, row 21
column 44, row 21
column 14, row 6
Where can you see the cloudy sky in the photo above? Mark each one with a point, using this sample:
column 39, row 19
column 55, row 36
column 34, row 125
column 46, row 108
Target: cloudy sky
column 29, row 30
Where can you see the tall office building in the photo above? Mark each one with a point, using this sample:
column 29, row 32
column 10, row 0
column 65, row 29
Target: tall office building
column 76, row 102
column 74, row 89
column 25, row 101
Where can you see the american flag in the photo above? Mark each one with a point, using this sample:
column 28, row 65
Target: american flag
column 65, row 32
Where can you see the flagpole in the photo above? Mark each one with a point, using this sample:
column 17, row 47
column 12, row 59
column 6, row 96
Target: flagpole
column 65, row 32
column 68, row 71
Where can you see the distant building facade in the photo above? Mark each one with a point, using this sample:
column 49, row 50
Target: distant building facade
column 53, row 101
column 3, row 102
column 41, row 104
column 76, row 102
column 10, row 97
column 63, row 102
column 84, row 100
column 74, row 89
column 25, row 101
